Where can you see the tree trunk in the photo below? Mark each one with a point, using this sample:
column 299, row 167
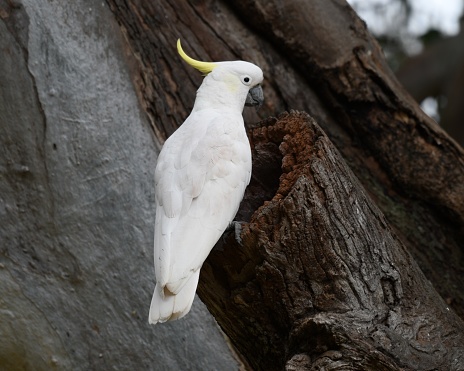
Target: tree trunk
column 77, row 161
column 320, row 280
column 352, row 255
column 328, row 273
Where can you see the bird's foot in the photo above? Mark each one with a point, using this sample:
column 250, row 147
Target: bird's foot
column 236, row 227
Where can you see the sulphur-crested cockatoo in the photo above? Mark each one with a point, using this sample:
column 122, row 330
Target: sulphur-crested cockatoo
column 200, row 178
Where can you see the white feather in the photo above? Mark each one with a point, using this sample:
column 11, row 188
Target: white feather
column 167, row 307
column 200, row 178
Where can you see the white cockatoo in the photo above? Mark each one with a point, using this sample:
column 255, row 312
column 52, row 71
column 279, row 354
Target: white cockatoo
column 200, row 178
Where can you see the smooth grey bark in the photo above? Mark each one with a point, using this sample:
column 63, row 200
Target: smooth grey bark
column 77, row 159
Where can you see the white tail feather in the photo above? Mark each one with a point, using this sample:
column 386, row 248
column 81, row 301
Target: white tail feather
column 166, row 306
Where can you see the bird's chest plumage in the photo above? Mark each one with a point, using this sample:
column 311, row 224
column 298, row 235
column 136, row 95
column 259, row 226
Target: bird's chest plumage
column 221, row 143
column 228, row 149
column 209, row 151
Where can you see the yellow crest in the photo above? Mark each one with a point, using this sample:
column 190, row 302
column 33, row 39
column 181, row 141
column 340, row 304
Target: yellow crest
column 205, row 67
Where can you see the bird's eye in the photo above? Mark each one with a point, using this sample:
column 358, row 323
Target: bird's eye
column 246, row 80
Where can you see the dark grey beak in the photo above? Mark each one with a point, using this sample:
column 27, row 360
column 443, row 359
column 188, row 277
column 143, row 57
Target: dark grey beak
column 255, row 97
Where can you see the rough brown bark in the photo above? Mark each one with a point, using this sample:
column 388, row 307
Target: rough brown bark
column 320, row 280
column 323, row 278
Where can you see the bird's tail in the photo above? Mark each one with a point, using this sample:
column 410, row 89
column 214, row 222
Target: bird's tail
column 169, row 307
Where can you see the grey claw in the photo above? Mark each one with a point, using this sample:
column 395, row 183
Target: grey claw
column 237, row 228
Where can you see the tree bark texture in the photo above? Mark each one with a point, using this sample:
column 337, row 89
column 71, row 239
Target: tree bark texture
column 321, row 269
column 352, row 257
column 77, row 160
column 320, row 280
column 317, row 57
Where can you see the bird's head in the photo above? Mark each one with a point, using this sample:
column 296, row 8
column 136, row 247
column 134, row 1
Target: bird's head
column 230, row 82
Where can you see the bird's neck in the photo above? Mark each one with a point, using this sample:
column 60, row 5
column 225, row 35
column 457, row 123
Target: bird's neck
column 220, row 95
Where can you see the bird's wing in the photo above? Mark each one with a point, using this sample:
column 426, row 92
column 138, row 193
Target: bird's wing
column 200, row 179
